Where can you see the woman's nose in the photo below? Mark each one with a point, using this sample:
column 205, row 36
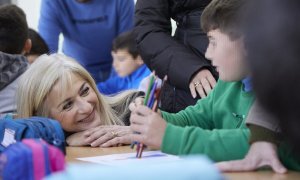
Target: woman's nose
column 84, row 106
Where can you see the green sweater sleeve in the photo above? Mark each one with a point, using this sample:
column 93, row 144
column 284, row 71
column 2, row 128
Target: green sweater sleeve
column 198, row 115
column 217, row 144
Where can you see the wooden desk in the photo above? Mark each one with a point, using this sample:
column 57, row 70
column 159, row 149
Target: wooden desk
column 77, row 152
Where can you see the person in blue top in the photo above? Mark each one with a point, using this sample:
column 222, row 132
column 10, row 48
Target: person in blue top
column 88, row 27
column 127, row 63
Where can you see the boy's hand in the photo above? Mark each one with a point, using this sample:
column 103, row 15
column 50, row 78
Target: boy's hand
column 149, row 125
column 135, row 103
column 260, row 154
column 107, row 136
column 202, row 83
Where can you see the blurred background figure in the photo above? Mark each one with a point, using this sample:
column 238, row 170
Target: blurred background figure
column 88, row 28
column 38, row 47
column 181, row 57
column 127, row 63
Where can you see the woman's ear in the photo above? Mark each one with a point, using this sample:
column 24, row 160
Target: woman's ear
column 27, row 46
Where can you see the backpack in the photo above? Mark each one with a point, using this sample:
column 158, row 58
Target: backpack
column 14, row 130
column 30, row 159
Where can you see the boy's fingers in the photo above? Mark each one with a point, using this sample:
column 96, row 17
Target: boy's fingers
column 143, row 110
column 139, row 101
column 236, row 165
column 247, row 165
column 136, row 128
column 138, row 138
column 132, row 106
column 136, row 119
column 277, row 166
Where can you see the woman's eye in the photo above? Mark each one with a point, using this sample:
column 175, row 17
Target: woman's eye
column 68, row 105
column 85, row 91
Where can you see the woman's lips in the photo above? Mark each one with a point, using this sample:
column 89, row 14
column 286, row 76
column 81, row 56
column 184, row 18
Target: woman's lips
column 89, row 118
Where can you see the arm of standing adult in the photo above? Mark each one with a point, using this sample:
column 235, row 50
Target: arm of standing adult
column 163, row 53
column 49, row 25
column 125, row 19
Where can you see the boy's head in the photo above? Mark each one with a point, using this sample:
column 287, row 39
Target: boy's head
column 126, row 58
column 13, row 30
column 38, row 48
column 221, row 21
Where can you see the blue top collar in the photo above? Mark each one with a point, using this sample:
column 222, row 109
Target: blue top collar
column 247, row 82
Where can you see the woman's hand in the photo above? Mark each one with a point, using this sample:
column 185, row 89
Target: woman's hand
column 149, row 125
column 107, row 136
column 77, row 139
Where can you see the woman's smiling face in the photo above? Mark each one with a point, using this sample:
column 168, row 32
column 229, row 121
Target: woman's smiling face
column 77, row 108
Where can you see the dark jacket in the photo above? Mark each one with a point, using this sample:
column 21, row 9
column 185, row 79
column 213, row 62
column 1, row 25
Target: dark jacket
column 179, row 57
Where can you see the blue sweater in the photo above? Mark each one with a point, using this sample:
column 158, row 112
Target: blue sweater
column 117, row 84
column 88, row 29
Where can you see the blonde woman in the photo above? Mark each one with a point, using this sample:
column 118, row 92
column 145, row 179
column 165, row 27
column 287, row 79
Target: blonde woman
column 57, row 87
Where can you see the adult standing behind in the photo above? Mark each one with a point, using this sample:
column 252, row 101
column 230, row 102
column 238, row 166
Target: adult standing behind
column 88, row 27
column 181, row 57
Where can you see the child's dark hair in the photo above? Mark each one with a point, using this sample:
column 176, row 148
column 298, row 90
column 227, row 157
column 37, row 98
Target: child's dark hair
column 13, row 29
column 39, row 46
column 126, row 41
column 223, row 15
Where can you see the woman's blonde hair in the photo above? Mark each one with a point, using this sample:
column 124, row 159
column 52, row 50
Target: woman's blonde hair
column 37, row 82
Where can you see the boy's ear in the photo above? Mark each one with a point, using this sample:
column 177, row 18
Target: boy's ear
column 27, row 46
column 139, row 60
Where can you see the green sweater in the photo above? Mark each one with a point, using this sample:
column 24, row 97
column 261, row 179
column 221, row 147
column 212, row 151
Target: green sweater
column 215, row 126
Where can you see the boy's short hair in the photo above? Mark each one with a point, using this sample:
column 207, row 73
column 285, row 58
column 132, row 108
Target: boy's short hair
column 126, row 41
column 223, row 15
column 39, row 46
column 13, row 29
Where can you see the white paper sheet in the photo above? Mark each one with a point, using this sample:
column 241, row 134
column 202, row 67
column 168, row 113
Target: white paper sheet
column 149, row 157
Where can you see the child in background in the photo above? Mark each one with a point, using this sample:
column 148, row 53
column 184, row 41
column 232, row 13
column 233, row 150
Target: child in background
column 14, row 43
column 128, row 65
column 38, row 48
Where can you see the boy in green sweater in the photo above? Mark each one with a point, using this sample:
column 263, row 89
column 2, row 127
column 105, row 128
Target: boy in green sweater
column 215, row 125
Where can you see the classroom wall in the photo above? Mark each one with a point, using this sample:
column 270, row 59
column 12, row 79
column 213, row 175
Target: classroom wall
column 32, row 10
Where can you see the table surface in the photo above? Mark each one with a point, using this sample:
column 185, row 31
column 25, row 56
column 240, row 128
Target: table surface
column 77, row 152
